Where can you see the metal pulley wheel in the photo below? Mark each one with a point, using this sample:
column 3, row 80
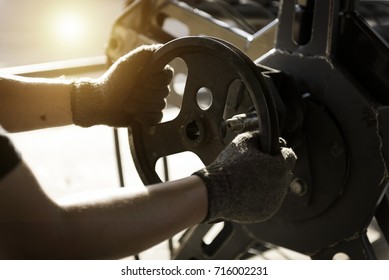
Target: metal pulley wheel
column 213, row 65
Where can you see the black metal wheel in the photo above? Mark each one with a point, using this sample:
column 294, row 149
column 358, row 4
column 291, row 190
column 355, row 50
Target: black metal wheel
column 212, row 65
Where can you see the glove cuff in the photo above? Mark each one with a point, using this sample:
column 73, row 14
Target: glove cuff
column 215, row 181
column 87, row 102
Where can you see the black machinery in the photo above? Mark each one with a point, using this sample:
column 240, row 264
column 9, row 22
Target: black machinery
column 316, row 73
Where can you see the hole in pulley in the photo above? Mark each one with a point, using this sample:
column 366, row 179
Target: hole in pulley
column 177, row 89
column 192, row 130
column 204, row 98
column 177, row 166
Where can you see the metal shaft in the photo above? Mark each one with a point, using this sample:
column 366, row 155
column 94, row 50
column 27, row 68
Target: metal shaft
column 242, row 122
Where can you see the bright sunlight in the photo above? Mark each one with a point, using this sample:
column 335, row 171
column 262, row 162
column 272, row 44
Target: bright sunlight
column 70, row 28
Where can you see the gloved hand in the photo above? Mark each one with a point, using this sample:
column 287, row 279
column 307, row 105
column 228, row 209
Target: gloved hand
column 245, row 185
column 120, row 95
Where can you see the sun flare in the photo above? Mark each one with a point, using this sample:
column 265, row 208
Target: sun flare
column 70, row 27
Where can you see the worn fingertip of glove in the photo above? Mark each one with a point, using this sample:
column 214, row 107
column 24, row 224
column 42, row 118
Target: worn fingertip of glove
column 289, row 156
column 169, row 73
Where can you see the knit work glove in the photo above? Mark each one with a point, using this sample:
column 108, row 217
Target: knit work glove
column 121, row 95
column 245, row 185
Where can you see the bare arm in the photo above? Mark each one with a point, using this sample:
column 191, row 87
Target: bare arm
column 241, row 185
column 114, row 223
column 113, row 99
column 34, row 103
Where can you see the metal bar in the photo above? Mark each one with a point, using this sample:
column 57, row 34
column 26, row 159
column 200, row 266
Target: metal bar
column 118, row 156
column 71, row 67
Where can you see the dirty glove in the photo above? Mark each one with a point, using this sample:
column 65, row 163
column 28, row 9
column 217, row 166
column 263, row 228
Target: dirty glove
column 245, row 185
column 120, row 95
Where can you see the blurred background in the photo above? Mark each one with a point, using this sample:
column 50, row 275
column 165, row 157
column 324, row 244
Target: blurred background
column 40, row 32
column 36, row 31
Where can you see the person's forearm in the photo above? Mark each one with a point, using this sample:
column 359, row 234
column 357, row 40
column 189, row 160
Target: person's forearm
column 108, row 224
column 130, row 222
column 34, row 103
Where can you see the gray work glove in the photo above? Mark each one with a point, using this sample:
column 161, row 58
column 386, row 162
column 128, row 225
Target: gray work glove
column 245, row 185
column 120, row 95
